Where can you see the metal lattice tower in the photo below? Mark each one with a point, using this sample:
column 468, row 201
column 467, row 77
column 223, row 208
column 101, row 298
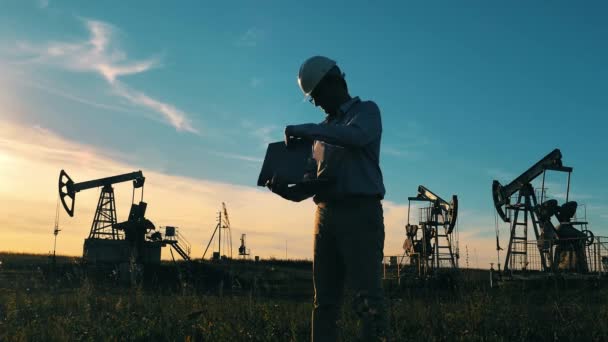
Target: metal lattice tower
column 225, row 243
column 226, row 226
column 105, row 216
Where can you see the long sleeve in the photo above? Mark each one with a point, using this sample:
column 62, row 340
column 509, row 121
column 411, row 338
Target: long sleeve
column 362, row 129
column 296, row 194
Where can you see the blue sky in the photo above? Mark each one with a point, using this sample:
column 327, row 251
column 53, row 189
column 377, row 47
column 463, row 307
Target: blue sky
column 469, row 91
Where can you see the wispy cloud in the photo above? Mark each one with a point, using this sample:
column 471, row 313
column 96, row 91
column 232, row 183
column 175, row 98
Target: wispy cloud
column 395, row 151
column 236, row 156
column 65, row 94
column 43, row 4
column 406, row 141
column 176, row 117
column 265, row 134
column 557, row 190
column 572, row 196
column 99, row 54
column 36, row 142
column 251, row 37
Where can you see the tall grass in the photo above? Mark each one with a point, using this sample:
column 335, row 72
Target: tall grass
column 470, row 311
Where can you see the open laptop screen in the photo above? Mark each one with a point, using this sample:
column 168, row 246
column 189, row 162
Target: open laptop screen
column 290, row 164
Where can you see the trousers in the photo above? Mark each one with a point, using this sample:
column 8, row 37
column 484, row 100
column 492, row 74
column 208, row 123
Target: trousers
column 348, row 249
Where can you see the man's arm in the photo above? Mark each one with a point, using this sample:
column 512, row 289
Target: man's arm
column 296, row 195
column 293, row 193
column 363, row 128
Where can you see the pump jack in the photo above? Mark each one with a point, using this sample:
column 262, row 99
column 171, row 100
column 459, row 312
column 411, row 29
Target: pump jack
column 570, row 242
column 436, row 244
column 109, row 241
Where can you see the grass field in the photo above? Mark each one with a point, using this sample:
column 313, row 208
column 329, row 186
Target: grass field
column 31, row 310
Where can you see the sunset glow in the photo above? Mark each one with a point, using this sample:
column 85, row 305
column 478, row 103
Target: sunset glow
column 193, row 103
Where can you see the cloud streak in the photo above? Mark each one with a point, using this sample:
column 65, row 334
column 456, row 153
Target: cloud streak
column 176, row 117
column 237, row 156
column 251, row 37
column 406, row 153
column 100, row 55
column 265, row 134
column 65, row 94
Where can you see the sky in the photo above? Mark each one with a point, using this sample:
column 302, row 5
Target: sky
column 192, row 92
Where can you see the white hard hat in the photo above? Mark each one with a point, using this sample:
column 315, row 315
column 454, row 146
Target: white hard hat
column 312, row 72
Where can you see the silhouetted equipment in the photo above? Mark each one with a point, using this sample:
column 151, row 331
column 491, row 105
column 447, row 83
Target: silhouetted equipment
column 223, row 223
column 176, row 240
column 570, row 254
column 67, row 187
column 431, row 244
column 243, row 250
column 561, row 248
column 502, row 194
column 56, row 230
column 135, row 240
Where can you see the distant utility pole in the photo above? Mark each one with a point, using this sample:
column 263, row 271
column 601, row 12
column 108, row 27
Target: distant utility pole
column 285, row 249
column 467, row 250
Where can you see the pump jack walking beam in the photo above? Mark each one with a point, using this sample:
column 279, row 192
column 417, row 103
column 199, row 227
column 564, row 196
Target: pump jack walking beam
column 67, row 187
column 451, row 209
column 502, row 194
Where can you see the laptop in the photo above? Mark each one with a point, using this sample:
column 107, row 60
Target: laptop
column 289, row 163
column 299, row 164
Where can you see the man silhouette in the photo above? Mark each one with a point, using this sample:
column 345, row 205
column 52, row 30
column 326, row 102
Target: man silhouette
column 349, row 223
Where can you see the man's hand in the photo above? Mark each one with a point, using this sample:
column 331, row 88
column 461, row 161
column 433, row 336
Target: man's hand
column 277, row 185
column 295, row 132
column 288, row 136
column 281, row 188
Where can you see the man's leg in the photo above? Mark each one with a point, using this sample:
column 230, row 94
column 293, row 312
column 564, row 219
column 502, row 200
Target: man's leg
column 328, row 278
column 361, row 241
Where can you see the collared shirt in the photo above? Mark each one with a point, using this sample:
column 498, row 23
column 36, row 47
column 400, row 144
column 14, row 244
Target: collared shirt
column 358, row 128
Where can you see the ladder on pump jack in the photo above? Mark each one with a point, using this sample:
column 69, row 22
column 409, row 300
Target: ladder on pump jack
column 177, row 242
column 447, row 256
